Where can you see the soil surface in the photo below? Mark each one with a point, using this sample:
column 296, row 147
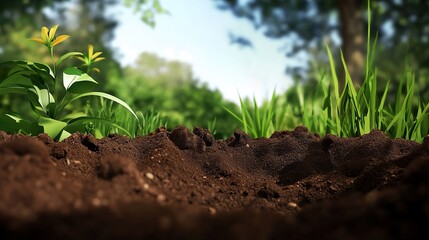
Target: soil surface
column 186, row 185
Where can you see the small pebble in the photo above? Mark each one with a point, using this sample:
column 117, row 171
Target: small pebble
column 160, row 198
column 96, row 202
column 292, row 204
column 150, row 176
column 212, row 210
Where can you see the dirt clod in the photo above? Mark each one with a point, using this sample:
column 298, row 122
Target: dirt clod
column 205, row 135
column 90, row 142
column 185, row 140
column 58, row 151
column 22, row 146
column 241, row 139
column 115, row 165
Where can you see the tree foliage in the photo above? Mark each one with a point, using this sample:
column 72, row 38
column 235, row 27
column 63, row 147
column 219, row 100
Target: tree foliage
column 279, row 19
column 170, row 88
column 309, row 23
column 148, row 9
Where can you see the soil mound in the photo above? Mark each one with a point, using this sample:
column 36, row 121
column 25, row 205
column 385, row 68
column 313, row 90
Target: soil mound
column 186, row 185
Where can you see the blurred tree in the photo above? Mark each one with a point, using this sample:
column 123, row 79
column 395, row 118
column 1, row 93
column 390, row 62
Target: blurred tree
column 169, row 87
column 309, row 22
column 18, row 21
column 150, row 78
column 147, row 8
column 200, row 106
column 26, row 11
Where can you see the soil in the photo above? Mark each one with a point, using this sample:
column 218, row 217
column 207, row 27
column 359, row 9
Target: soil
column 186, row 185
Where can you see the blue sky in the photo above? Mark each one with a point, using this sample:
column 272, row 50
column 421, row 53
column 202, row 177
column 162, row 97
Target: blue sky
column 196, row 32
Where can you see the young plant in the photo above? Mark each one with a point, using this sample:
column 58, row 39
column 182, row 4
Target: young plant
column 211, row 126
column 49, row 90
column 256, row 120
column 149, row 122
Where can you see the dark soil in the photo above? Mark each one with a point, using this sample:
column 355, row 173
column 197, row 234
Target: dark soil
column 186, row 185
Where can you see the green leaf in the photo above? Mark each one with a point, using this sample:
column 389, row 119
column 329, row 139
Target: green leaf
column 67, row 55
column 63, row 135
column 18, row 90
column 78, row 124
column 21, row 72
column 103, row 95
column 15, row 73
column 335, row 100
column 423, row 115
column 158, row 8
column 44, row 72
column 73, row 115
column 13, row 123
column 44, row 99
column 234, row 115
column 148, row 17
column 9, row 123
column 15, row 78
column 51, row 126
column 76, row 81
column 381, row 106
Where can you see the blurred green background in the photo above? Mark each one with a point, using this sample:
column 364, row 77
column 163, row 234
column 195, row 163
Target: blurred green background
column 170, row 87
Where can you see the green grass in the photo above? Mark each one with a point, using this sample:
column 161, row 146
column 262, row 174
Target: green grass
column 125, row 123
column 257, row 120
column 348, row 112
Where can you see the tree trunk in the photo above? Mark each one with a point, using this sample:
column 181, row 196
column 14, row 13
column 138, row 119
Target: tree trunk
column 353, row 39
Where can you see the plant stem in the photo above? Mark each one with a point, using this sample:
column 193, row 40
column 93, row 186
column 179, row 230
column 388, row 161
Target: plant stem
column 54, row 69
column 51, row 51
column 60, row 108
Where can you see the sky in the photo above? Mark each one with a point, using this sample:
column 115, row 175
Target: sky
column 196, row 32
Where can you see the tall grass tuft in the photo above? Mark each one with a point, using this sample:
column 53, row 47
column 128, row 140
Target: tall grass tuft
column 256, row 120
column 344, row 112
column 125, row 123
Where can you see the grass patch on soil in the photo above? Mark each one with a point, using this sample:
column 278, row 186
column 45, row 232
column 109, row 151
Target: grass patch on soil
column 343, row 112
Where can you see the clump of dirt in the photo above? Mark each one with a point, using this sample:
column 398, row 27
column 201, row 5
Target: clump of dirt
column 186, row 185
